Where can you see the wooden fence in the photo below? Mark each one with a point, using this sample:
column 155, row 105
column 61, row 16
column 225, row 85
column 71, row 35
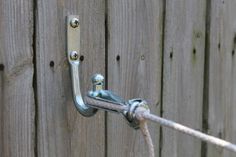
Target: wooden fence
column 177, row 54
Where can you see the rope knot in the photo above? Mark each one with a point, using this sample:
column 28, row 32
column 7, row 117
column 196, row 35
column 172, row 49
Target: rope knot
column 135, row 110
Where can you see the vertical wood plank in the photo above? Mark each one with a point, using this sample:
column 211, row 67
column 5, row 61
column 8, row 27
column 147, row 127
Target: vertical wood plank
column 222, row 75
column 1, row 104
column 134, row 69
column 62, row 131
column 16, row 78
column 183, row 74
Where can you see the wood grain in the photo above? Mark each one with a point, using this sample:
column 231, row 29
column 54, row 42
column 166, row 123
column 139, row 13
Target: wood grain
column 134, row 69
column 222, row 75
column 183, row 74
column 16, row 79
column 62, row 131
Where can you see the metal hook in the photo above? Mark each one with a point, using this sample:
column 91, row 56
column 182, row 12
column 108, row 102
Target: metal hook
column 97, row 93
column 73, row 53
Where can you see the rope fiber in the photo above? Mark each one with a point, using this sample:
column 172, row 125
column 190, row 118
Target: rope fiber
column 144, row 129
column 142, row 115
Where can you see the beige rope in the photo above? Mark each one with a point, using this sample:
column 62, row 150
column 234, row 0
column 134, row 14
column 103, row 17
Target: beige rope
column 181, row 128
column 141, row 115
column 144, row 129
column 138, row 112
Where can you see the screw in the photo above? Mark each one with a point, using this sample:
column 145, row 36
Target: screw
column 74, row 55
column 74, row 22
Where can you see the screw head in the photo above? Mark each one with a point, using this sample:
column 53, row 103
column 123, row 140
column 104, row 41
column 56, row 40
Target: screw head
column 74, row 22
column 74, row 55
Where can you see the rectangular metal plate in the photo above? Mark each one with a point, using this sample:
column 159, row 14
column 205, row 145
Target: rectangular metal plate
column 73, row 35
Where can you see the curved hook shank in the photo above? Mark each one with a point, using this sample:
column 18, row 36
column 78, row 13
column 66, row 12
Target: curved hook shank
column 83, row 108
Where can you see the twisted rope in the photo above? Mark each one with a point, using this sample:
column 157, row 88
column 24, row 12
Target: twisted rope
column 144, row 129
column 189, row 131
column 142, row 116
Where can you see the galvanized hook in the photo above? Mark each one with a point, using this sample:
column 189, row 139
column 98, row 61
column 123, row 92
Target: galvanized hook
column 73, row 53
column 97, row 93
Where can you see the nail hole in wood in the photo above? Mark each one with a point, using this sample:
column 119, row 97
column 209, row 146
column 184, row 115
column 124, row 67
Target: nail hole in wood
column 118, row 58
column 51, row 64
column 1, row 67
column 198, row 35
column 218, row 45
column 194, row 51
column 171, row 55
column 81, row 58
column 233, row 53
column 142, row 57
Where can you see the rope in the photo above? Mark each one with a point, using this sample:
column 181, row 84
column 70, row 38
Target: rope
column 105, row 105
column 120, row 108
column 144, row 129
column 147, row 137
column 189, row 131
column 142, row 116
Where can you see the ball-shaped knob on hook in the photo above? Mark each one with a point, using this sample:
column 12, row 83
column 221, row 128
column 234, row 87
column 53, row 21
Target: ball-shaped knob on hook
column 98, row 82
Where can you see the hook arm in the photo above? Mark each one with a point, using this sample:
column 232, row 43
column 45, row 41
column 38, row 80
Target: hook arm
column 83, row 108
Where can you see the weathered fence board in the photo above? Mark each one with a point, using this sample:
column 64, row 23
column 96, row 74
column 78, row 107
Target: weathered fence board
column 37, row 113
column 134, row 68
column 183, row 74
column 62, row 131
column 222, row 74
column 16, row 79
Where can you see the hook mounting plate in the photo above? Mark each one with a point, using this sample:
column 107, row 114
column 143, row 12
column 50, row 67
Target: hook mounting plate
column 73, row 36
